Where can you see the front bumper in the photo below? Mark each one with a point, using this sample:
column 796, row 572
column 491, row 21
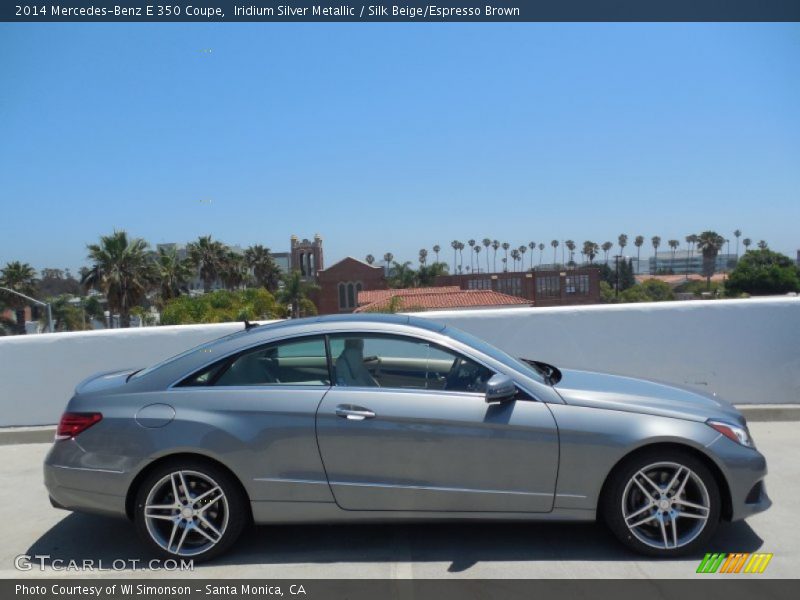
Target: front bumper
column 744, row 470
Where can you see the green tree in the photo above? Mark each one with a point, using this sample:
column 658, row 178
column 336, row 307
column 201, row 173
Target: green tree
column 606, row 248
column 471, row 248
column 746, row 242
column 296, row 293
column 370, row 259
column 709, row 243
column 233, row 271
column 173, row 274
column 638, row 242
column 436, row 249
column 570, row 244
column 208, row 256
column 691, row 240
column 763, row 272
column 20, row 277
column 487, row 244
column 403, row 276
column 122, row 270
column 477, row 250
column 622, row 241
column 454, row 245
column 590, row 249
column 427, row 274
column 423, row 257
column 554, row 244
column 221, row 306
column 266, row 272
column 656, row 241
column 673, row 245
column 737, row 233
column 495, row 247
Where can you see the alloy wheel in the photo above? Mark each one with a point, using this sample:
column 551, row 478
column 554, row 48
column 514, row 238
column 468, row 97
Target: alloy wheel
column 186, row 513
column 665, row 505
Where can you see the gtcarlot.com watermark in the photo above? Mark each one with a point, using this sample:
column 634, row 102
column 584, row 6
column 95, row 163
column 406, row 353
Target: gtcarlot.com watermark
column 45, row 562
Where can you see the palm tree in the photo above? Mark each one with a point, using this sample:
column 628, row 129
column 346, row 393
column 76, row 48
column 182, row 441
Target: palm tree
column 746, row 243
column 606, row 247
column 423, row 256
column 207, row 256
column 173, row 274
column 762, row 245
column 461, row 247
column 522, row 250
column 738, row 234
column 532, row 246
column 541, row 252
column 495, row 247
column 709, row 243
column 266, row 272
column 656, row 241
column 505, row 246
column 388, row 257
column 590, row 249
column 20, row 277
column 515, row 257
column 403, row 276
column 436, row 249
column 233, row 271
column 691, row 240
column 505, row 264
column 472, row 247
column 554, row 244
column 673, row 245
column 486, row 243
column 370, row 259
column 477, row 250
column 454, row 245
column 622, row 241
column 570, row 244
column 122, row 270
column 638, row 242
column 296, row 292
column 426, row 276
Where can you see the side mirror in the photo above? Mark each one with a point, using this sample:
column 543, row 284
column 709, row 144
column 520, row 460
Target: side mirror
column 500, row 388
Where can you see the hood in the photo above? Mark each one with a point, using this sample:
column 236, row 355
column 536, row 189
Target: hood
column 103, row 381
column 614, row 392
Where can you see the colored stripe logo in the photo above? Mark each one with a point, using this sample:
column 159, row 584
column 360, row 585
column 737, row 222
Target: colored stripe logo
column 736, row 562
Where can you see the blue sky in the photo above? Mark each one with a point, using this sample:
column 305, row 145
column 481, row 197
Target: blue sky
column 393, row 137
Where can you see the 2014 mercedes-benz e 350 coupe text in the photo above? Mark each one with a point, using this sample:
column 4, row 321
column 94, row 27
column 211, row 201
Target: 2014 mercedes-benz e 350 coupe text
column 389, row 417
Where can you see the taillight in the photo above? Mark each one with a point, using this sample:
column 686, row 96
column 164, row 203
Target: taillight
column 72, row 424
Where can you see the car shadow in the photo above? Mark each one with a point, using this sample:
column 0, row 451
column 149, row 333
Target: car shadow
column 80, row 537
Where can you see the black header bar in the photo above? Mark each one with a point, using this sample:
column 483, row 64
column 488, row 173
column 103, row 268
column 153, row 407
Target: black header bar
column 410, row 11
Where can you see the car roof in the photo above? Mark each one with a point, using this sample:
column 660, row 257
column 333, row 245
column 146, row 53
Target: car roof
column 359, row 319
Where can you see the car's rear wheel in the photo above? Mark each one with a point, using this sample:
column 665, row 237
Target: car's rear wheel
column 662, row 503
column 190, row 509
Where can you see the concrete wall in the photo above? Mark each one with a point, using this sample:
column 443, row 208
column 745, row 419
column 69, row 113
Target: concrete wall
column 748, row 351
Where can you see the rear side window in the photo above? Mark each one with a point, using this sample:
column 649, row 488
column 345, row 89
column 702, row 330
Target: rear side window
column 293, row 362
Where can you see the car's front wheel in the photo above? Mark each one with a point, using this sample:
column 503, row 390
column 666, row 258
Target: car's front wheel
column 190, row 509
column 662, row 503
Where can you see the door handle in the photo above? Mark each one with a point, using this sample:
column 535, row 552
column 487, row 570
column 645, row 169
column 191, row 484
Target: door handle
column 354, row 413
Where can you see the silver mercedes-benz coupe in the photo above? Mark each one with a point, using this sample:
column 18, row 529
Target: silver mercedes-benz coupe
column 389, row 417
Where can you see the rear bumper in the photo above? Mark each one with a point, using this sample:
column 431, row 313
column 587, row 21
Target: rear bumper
column 73, row 483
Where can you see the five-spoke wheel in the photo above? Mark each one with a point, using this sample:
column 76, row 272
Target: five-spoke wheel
column 190, row 510
column 662, row 503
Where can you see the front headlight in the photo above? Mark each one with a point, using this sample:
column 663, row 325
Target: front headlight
column 737, row 433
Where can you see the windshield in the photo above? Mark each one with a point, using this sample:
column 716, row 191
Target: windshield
column 495, row 353
column 199, row 348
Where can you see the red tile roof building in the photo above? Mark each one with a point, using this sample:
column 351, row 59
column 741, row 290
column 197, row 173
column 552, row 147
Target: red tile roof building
column 435, row 298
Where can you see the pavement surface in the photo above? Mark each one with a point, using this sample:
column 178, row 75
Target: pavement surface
column 473, row 550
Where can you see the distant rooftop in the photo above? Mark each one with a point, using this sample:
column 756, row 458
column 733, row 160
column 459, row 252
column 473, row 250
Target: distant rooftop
column 447, row 297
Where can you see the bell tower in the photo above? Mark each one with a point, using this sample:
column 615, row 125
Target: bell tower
column 306, row 257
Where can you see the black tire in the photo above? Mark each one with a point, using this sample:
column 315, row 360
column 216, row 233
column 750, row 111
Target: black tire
column 611, row 508
column 228, row 516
